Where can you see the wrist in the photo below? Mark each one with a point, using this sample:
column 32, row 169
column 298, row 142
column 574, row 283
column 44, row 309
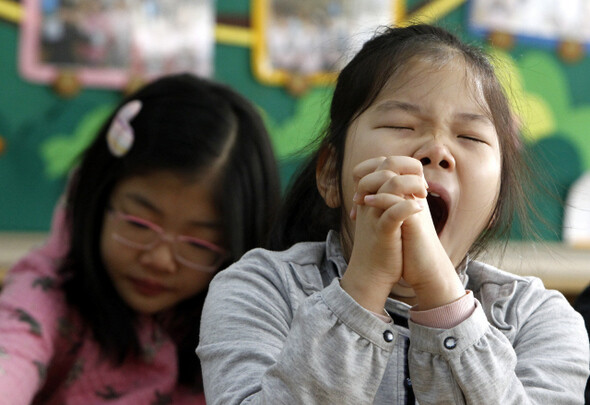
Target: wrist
column 368, row 290
column 438, row 293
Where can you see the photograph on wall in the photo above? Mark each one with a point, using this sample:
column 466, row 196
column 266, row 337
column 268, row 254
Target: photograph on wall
column 106, row 41
column 541, row 21
column 314, row 38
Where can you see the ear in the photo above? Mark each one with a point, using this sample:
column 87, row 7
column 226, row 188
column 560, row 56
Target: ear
column 326, row 177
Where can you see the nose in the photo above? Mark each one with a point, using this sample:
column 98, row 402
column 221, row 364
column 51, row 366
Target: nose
column 160, row 257
column 435, row 153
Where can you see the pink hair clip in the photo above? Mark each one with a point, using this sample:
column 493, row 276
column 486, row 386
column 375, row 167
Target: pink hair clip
column 120, row 136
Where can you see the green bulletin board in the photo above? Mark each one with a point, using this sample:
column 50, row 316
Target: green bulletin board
column 40, row 129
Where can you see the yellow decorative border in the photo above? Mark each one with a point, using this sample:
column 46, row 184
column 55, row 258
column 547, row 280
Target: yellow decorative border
column 11, row 11
column 225, row 34
column 254, row 37
column 260, row 61
column 230, row 35
column 432, row 11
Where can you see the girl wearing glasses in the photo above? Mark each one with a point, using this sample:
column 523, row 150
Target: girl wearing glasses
column 179, row 183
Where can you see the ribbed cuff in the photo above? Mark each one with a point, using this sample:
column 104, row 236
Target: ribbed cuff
column 447, row 316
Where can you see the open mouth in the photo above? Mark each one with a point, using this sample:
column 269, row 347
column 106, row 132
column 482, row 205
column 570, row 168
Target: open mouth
column 438, row 210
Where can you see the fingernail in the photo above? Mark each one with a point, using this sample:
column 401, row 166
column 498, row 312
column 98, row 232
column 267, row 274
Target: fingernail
column 425, row 182
column 370, row 198
column 352, row 214
column 355, row 197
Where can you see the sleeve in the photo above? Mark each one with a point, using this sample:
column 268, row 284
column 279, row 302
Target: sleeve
column 256, row 349
column 544, row 362
column 30, row 304
column 448, row 315
column 28, row 322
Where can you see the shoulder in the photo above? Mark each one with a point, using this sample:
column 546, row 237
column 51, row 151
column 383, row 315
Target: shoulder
column 35, row 275
column 300, row 262
column 495, row 284
column 300, row 254
column 483, row 276
column 268, row 279
column 32, row 294
column 510, row 300
column 44, row 260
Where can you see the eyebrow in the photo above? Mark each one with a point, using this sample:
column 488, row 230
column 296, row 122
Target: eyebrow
column 474, row 117
column 390, row 105
column 141, row 200
column 144, row 202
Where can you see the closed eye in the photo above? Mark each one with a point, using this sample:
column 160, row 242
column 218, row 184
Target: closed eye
column 196, row 245
column 200, row 244
column 397, row 127
column 472, row 138
column 137, row 222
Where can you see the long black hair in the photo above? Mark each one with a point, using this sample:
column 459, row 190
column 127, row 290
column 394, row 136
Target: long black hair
column 306, row 217
column 184, row 125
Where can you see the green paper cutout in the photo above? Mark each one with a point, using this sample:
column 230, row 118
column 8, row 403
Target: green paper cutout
column 532, row 110
column 60, row 152
column 294, row 134
column 544, row 76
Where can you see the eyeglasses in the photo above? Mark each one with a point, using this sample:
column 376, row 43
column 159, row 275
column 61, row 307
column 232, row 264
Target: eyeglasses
column 191, row 252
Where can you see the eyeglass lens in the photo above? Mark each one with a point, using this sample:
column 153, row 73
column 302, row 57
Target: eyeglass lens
column 143, row 235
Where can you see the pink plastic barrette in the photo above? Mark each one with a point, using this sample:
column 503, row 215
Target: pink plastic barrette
column 120, row 136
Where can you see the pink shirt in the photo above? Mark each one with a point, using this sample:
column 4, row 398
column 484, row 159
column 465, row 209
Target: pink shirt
column 48, row 356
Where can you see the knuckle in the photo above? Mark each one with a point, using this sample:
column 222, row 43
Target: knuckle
column 389, row 161
column 394, row 181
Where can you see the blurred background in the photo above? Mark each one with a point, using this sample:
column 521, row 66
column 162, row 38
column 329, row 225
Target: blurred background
column 64, row 64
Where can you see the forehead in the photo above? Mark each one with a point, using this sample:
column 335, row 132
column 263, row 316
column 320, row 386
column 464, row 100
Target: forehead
column 168, row 192
column 421, row 76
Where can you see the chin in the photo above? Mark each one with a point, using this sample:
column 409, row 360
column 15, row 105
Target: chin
column 148, row 308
